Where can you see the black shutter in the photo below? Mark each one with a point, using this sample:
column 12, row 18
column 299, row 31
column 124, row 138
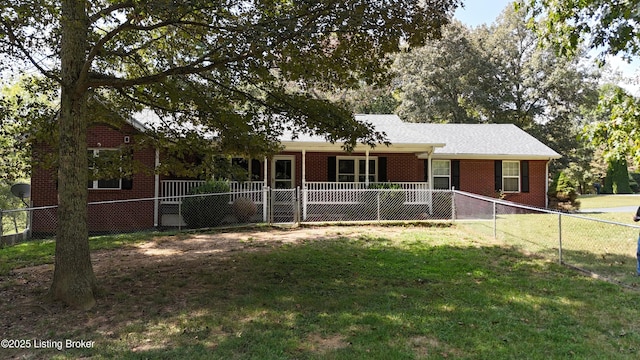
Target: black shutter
column 127, row 184
column 331, row 168
column 426, row 170
column 524, row 176
column 498, row 174
column 255, row 170
column 455, row 174
column 382, row 169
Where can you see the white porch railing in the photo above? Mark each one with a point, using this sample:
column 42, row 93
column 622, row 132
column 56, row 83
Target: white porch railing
column 340, row 192
column 173, row 190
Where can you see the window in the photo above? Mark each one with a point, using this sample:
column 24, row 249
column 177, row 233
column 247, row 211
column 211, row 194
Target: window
column 244, row 169
column 353, row 169
column 441, row 174
column 101, row 163
column 511, row 176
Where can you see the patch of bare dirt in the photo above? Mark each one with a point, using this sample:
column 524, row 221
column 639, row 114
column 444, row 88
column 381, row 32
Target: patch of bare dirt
column 27, row 313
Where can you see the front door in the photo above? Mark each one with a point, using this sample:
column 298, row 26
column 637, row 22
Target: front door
column 283, row 172
column 283, row 206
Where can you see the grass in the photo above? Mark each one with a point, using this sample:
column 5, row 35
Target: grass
column 606, row 249
column 608, row 201
column 39, row 252
column 413, row 293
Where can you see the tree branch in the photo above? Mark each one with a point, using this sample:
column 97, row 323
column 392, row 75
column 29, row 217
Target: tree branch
column 107, row 11
column 14, row 42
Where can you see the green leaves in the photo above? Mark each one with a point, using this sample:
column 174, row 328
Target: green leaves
column 616, row 128
column 206, row 62
column 610, row 27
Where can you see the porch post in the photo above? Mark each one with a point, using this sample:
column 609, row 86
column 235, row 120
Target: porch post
column 430, row 181
column 156, row 191
column 430, row 166
column 304, row 185
column 265, row 193
column 366, row 167
column 266, row 181
column 304, row 168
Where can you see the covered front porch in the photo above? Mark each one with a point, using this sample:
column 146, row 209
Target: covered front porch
column 325, row 201
column 323, row 178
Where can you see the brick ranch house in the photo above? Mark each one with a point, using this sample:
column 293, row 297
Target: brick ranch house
column 485, row 159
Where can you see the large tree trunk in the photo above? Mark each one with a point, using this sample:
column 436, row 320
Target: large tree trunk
column 73, row 280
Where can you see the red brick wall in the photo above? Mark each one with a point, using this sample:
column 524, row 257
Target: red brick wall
column 477, row 176
column 400, row 167
column 122, row 216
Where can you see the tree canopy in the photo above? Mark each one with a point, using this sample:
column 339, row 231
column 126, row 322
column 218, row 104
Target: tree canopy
column 612, row 27
column 222, row 67
column 498, row 74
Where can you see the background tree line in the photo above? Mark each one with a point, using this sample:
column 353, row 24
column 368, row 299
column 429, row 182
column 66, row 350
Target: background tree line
column 500, row 73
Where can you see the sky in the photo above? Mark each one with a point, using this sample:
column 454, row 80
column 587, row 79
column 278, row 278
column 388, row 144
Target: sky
column 478, row 12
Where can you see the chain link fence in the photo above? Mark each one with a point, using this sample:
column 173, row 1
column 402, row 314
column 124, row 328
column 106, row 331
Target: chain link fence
column 599, row 247
column 596, row 246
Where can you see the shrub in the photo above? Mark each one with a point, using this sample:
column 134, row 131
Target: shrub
column 392, row 198
column 617, row 180
column 209, row 210
column 634, row 181
column 244, row 209
column 562, row 193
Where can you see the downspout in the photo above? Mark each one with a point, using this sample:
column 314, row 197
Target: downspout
column 156, row 191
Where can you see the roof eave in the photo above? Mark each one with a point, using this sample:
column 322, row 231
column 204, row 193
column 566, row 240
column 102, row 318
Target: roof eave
column 492, row 156
column 338, row 147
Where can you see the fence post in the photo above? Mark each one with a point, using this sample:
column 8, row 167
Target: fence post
column 296, row 217
column 495, row 220
column 29, row 221
column 265, row 204
column 378, row 202
column 304, row 203
column 560, row 238
column 271, row 195
column 453, row 204
column 180, row 214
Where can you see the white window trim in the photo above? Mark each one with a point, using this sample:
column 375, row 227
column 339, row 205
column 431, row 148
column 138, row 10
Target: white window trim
column 510, row 177
column 249, row 166
column 356, row 167
column 95, row 182
column 433, row 161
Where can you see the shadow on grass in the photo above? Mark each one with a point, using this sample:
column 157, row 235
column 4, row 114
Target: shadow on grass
column 349, row 299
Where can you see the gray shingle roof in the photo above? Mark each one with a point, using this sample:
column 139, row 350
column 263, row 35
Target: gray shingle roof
column 460, row 140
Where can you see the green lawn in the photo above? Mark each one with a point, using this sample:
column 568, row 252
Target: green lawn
column 608, row 201
column 352, row 293
column 606, row 248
